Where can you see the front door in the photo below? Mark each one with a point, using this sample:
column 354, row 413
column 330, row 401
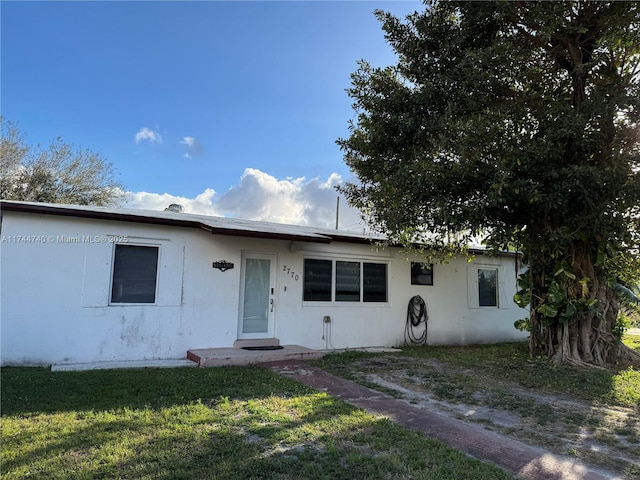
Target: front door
column 257, row 295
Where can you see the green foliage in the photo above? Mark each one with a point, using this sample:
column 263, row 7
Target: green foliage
column 629, row 296
column 515, row 123
column 59, row 173
column 557, row 305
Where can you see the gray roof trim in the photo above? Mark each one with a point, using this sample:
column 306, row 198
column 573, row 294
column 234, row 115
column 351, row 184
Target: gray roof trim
column 211, row 224
column 214, row 225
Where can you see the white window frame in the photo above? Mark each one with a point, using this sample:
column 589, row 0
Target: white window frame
column 113, row 267
column 473, row 286
column 98, row 272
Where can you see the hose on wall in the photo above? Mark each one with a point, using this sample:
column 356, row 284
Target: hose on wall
column 416, row 315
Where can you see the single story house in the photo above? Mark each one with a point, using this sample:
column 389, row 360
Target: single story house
column 89, row 284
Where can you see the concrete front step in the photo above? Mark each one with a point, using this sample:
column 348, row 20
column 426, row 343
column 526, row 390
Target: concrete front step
column 218, row 357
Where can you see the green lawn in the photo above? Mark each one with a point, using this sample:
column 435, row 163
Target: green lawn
column 191, row 423
column 250, row 423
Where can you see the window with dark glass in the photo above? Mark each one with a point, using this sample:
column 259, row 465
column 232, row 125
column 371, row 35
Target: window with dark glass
column 421, row 274
column 347, row 281
column 353, row 281
column 317, row 280
column 488, row 287
column 374, row 282
column 135, row 273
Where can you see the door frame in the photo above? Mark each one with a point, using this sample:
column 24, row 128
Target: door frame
column 273, row 258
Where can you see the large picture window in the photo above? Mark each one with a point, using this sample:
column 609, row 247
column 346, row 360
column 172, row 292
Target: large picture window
column 352, row 281
column 135, row 273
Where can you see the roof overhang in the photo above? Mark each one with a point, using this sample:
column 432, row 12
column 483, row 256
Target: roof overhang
column 213, row 225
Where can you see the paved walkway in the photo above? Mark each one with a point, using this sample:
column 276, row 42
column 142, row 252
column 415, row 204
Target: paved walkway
column 517, row 458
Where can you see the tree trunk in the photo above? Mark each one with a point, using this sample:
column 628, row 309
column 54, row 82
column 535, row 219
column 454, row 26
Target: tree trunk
column 537, row 339
column 588, row 338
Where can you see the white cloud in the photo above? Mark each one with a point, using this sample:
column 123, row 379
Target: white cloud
column 202, row 204
column 188, row 141
column 260, row 196
column 194, row 148
column 149, row 135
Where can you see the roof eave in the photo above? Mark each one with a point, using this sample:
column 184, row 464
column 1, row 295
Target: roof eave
column 184, row 223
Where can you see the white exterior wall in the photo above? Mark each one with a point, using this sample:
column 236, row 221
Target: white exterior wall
column 454, row 317
column 55, row 295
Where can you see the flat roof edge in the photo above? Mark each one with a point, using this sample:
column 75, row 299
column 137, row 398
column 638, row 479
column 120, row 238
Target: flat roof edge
column 129, row 217
column 76, row 212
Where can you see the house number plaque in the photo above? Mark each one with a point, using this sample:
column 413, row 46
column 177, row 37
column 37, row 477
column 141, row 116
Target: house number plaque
column 223, row 265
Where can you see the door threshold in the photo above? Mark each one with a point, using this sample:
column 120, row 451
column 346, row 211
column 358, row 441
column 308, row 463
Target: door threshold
column 256, row 342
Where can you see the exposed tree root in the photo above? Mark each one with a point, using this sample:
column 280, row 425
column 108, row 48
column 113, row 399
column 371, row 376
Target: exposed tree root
column 627, row 357
column 623, row 357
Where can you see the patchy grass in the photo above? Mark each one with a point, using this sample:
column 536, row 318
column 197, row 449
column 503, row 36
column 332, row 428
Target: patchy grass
column 226, row 423
column 626, row 387
column 632, row 341
column 510, row 362
column 591, row 414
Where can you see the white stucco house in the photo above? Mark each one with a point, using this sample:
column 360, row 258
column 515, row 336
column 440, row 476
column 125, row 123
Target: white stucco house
column 90, row 284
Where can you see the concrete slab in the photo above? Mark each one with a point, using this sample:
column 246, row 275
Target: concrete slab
column 219, row 357
column 216, row 357
column 69, row 367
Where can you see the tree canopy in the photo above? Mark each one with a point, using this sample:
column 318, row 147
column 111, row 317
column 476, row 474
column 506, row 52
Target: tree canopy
column 519, row 123
column 59, row 173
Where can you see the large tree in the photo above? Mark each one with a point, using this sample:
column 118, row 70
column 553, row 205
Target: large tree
column 59, row 173
column 517, row 122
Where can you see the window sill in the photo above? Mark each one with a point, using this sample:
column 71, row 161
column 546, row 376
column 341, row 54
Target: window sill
column 134, row 305
column 346, row 304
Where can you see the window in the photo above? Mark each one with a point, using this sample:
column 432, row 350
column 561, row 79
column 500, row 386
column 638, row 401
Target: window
column 487, row 287
column 421, row 274
column 347, row 281
column 317, row 280
column 135, row 272
column 375, row 282
column 353, row 281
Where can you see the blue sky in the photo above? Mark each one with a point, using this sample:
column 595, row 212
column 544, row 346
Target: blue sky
column 205, row 102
